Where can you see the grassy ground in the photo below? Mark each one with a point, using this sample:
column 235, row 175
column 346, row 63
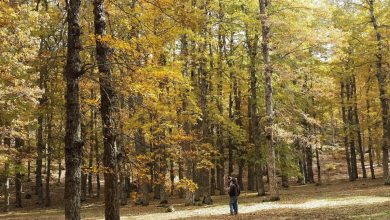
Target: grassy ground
column 339, row 199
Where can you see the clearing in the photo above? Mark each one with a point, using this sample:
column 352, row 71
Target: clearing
column 339, row 199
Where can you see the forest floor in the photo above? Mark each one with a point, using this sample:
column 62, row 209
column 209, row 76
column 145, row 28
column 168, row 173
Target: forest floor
column 337, row 199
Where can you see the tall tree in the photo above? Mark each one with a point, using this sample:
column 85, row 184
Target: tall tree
column 108, row 100
column 383, row 84
column 73, row 143
column 266, row 34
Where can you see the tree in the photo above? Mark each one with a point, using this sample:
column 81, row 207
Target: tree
column 73, row 143
column 108, row 101
column 274, row 192
column 382, row 82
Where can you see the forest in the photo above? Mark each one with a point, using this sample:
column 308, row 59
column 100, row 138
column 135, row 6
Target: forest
column 141, row 109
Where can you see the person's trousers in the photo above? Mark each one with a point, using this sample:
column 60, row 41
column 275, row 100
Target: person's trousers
column 233, row 204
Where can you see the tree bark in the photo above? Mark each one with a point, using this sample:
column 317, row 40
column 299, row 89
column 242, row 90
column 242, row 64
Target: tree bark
column 284, row 166
column 140, row 149
column 172, row 175
column 318, row 167
column 7, row 144
column 351, row 133
column 202, row 175
column 18, row 177
column 97, row 154
column 122, row 158
column 49, row 157
column 382, row 82
column 213, row 180
column 40, row 146
column 368, row 119
column 59, row 171
column 108, row 99
column 163, row 180
column 252, row 45
column 91, row 149
column 220, row 145
column 73, row 142
column 29, row 161
column 358, row 129
column 273, row 183
column 345, row 130
column 83, row 186
column 43, row 78
column 309, row 164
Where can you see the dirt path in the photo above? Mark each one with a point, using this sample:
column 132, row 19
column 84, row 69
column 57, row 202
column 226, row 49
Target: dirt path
column 250, row 208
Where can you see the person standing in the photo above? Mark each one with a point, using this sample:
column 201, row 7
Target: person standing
column 234, row 192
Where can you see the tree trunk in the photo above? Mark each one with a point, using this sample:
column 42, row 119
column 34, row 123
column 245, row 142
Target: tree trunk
column 185, row 162
column 202, row 175
column 107, row 93
column 91, row 149
column 73, row 143
column 181, row 175
column 29, row 161
column 163, row 180
column 230, row 159
column 59, row 171
column 154, row 173
column 284, row 166
column 240, row 175
column 301, row 163
column 172, row 175
column 83, row 186
column 18, row 177
column 7, row 144
column 345, row 131
column 140, row 147
column 84, row 175
column 29, row 171
column 238, row 121
column 43, row 78
column 382, row 82
column 38, row 169
column 122, row 158
column 368, row 119
column 358, row 129
column 302, row 177
column 351, row 133
column 6, row 188
column 220, row 145
column 273, row 183
column 285, row 181
column 140, row 150
column 97, row 154
column 49, row 157
column 318, row 167
column 252, row 111
column 213, row 179
column 309, row 164
column 122, row 187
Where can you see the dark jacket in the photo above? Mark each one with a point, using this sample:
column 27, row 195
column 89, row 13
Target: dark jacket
column 234, row 188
